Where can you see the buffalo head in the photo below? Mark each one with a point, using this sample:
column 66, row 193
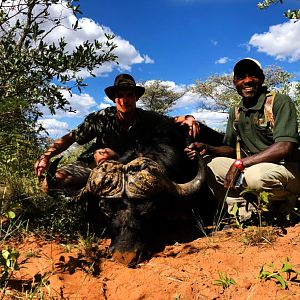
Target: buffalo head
column 128, row 194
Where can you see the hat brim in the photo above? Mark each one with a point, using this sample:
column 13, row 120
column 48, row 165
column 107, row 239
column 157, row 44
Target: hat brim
column 110, row 91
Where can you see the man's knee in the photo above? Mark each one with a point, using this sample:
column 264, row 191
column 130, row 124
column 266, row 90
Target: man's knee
column 219, row 166
column 60, row 180
column 62, row 176
column 265, row 178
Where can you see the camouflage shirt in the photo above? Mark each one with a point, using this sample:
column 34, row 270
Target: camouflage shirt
column 105, row 129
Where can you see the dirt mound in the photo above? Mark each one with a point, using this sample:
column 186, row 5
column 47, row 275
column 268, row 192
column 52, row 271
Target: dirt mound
column 180, row 271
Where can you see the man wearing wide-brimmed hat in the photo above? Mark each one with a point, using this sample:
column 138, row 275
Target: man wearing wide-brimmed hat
column 260, row 151
column 116, row 129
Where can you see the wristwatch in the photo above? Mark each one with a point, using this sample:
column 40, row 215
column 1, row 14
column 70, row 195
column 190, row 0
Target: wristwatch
column 239, row 165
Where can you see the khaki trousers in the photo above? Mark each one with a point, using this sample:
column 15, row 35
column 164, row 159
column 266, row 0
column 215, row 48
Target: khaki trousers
column 282, row 180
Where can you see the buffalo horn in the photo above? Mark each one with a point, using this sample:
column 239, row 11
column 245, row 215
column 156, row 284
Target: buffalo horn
column 193, row 186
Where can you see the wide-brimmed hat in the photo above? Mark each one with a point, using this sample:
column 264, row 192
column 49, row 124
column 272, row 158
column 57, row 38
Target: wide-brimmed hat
column 248, row 64
column 121, row 81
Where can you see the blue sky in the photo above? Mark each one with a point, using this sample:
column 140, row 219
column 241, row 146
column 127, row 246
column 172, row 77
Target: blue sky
column 179, row 41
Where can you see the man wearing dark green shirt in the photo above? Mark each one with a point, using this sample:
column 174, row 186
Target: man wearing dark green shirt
column 259, row 146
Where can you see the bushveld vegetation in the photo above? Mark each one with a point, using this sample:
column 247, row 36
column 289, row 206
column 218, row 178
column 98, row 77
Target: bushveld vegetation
column 34, row 74
column 29, row 67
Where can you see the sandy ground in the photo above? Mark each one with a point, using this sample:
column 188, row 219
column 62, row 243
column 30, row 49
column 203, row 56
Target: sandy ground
column 49, row 270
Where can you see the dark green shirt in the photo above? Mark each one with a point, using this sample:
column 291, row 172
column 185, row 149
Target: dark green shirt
column 104, row 127
column 255, row 132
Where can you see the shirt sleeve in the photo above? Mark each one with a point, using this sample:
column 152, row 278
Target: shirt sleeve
column 285, row 120
column 89, row 128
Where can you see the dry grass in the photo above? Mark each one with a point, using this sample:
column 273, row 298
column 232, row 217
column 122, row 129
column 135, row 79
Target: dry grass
column 254, row 236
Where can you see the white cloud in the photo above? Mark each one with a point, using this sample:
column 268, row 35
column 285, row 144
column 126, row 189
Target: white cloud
column 222, row 60
column 105, row 68
column 103, row 105
column 171, row 84
column 246, row 46
column 191, row 100
column 81, row 105
column 281, row 41
column 54, row 127
column 215, row 43
column 148, row 60
column 187, row 102
column 89, row 30
column 106, row 103
column 293, row 89
column 192, row 103
column 213, row 119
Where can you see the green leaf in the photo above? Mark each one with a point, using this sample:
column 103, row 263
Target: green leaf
column 247, row 190
column 288, row 268
column 280, row 280
column 224, row 281
column 8, row 263
column 264, row 196
column 5, row 254
column 235, row 209
column 11, row 215
column 31, row 65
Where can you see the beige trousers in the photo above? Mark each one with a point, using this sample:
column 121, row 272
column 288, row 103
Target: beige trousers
column 282, row 180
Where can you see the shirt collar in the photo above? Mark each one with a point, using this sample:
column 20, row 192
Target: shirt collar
column 259, row 104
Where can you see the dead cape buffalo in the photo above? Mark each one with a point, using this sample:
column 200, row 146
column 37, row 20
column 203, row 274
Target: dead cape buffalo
column 143, row 188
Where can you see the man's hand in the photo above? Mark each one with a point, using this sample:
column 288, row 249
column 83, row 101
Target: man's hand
column 189, row 120
column 194, row 148
column 104, row 154
column 59, row 145
column 41, row 165
column 231, row 176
